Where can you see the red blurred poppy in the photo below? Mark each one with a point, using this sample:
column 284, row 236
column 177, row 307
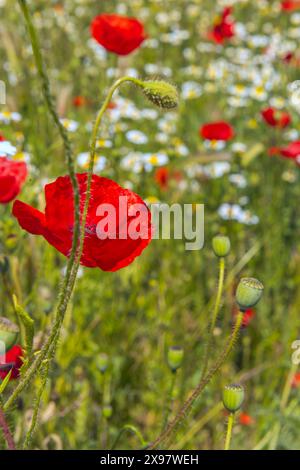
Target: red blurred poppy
column 276, row 118
column 12, row 176
column 292, row 150
column 56, row 225
column 224, row 27
column 296, row 380
column 249, row 314
column 79, row 101
column 220, row 130
column 245, row 419
column 12, row 360
column 118, row 34
column 290, row 5
column 163, row 175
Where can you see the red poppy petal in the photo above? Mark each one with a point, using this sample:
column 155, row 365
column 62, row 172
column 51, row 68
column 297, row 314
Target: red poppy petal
column 30, row 219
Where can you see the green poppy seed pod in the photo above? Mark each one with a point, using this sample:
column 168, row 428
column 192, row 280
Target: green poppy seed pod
column 233, row 397
column 248, row 293
column 103, row 362
column 8, row 332
column 221, row 245
column 175, row 357
column 160, row 93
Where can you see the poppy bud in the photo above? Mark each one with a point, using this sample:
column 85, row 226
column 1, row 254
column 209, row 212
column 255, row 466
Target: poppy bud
column 160, row 93
column 221, row 245
column 103, row 362
column 175, row 357
column 8, row 332
column 248, row 293
column 233, row 397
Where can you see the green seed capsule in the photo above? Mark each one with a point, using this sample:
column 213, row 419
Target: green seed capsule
column 8, row 332
column 221, row 245
column 233, row 397
column 175, row 357
column 161, row 93
column 248, row 293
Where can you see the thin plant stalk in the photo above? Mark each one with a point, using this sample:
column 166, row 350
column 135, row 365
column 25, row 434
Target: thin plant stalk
column 229, row 431
column 48, row 350
column 203, row 383
column 169, row 406
column 6, row 432
column 214, row 315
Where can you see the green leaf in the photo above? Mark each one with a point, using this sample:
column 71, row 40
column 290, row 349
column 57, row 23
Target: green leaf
column 5, row 382
column 28, row 325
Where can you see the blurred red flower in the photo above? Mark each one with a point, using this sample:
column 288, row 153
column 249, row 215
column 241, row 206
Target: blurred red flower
column 220, row 130
column 223, row 28
column 296, row 380
column 290, row 5
column 56, row 224
column 276, row 118
column 163, row 175
column 12, row 360
column 249, row 314
column 12, row 176
column 292, row 150
column 118, row 34
column 79, row 101
column 245, row 419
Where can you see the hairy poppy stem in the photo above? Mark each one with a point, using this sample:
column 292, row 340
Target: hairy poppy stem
column 49, row 348
column 199, row 389
column 6, row 432
column 229, row 431
column 215, row 314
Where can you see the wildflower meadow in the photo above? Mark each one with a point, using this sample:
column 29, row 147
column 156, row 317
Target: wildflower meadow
column 149, row 225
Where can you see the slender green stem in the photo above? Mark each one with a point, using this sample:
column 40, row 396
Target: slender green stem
column 214, row 315
column 65, row 291
column 133, row 430
column 170, row 398
column 36, row 408
column 229, row 431
column 49, row 347
column 287, row 387
column 6, row 432
column 203, row 383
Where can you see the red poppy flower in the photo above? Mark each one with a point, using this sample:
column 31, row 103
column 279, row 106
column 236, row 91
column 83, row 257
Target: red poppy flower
column 290, row 5
column 118, row 34
column 224, row 27
column 110, row 246
column 12, row 360
column 162, row 177
column 276, row 118
column 79, row 101
column 246, row 420
column 296, row 380
column 249, row 314
column 12, row 176
column 217, row 131
column 292, row 150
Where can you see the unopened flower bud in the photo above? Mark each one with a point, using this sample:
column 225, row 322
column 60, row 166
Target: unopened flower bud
column 175, row 357
column 8, row 332
column 161, row 93
column 248, row 293
column 233, row 397
column 221, row 245
column 103, row 362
